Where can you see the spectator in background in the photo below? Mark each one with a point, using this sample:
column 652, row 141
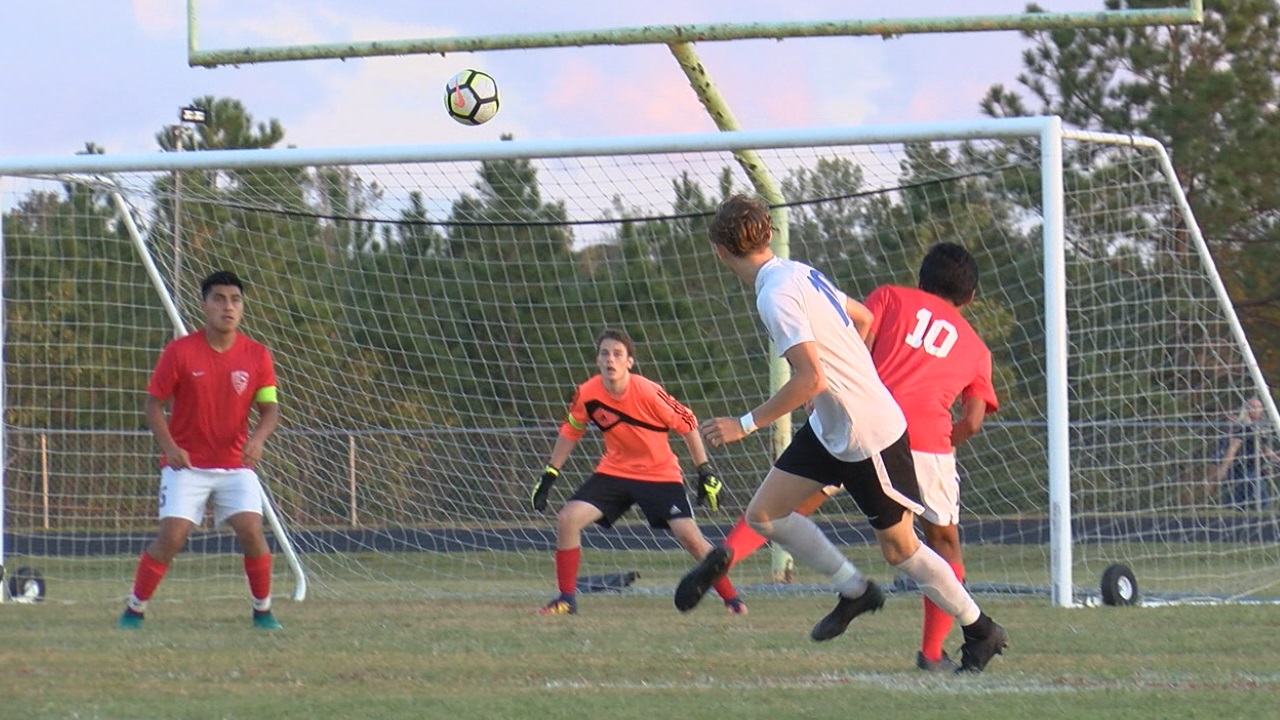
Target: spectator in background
column 1246, row 456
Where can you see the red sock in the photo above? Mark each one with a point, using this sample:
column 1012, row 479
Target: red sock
column 937, row 623
column 150, row 572
column 567, row 562
column 743, row 541
column 725, row 589
column 258, row 570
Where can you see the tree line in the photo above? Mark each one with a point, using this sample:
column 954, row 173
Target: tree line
column 467, row 332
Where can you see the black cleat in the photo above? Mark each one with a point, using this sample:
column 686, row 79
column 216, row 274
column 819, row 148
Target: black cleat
column 946, row 664
column 976, row 652
column 695, row 583
column 837, row 621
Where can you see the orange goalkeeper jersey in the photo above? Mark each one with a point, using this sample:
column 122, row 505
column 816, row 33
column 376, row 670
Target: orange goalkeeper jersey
column 635, row 427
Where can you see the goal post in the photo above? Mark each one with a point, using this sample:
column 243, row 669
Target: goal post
column 432, row 307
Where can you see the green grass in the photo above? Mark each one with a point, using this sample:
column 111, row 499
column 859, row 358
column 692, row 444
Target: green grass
column 628, row 656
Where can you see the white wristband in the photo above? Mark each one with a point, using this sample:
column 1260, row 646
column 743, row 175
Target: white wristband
column 748, row 422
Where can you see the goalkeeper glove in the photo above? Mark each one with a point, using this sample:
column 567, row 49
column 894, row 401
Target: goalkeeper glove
column 542, row 488
column 709, row 487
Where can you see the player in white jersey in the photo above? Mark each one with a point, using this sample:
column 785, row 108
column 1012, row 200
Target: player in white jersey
column 855, row 437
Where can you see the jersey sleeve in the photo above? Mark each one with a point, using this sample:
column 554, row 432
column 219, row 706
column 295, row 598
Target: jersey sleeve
column 164, row 378
column 876, row 303
column 575, row 419
column 785, row 320
column 982, row 387
column 266, row 392
column 673, row 413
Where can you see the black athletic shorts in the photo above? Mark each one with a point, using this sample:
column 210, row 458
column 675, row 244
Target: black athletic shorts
column 659, row 501
column 884, row 485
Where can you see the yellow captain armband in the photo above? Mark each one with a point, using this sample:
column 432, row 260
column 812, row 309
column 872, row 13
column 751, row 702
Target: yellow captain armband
column 266, row 395
column 573, row 423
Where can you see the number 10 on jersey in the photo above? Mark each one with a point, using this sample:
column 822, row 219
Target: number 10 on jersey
column 936, row 336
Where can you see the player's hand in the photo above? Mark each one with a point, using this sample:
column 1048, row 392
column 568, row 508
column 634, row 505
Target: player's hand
column 177, row 458
column 721, row 431
column 542, row 488
column 252, row 452
column 709, row 487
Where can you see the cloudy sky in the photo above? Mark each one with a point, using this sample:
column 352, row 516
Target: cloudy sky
column 115, row 71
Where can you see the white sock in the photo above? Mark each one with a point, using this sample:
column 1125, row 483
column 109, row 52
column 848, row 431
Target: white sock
column 939, row 583
column 262, row 605
column 136, row 605
column 805, row 541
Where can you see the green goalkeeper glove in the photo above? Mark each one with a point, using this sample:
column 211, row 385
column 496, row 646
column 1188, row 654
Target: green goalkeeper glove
column 542, row 488
column 709, row 487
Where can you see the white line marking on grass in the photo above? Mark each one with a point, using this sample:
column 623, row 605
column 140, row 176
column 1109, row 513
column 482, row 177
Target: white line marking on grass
column 921, row 684
column 928, row 684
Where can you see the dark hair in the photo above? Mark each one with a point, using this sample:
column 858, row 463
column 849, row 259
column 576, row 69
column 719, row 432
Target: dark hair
column 742, row 225
column 949, row 272
column 620, row 336
column 222, row 277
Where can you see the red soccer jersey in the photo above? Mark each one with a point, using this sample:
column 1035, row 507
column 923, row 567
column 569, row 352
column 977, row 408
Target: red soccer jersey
column 212, row 394
column 635, row 428
column 927, row 354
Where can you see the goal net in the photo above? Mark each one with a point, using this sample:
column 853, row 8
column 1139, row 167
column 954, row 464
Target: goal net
column 431, row 310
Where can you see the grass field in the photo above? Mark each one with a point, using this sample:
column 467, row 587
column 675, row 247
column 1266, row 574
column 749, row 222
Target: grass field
column 626, row 656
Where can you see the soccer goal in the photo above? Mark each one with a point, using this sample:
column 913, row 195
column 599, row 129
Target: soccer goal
column 431, row 309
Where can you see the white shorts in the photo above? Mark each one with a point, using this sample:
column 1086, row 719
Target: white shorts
column 939, row 487
column 184, row 493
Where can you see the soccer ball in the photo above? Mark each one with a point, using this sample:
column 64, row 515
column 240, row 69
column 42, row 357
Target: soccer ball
column 471, row 97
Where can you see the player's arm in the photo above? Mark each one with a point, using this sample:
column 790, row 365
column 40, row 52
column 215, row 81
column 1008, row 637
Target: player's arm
column 560, row 453
column 268, row 420
column 551, row 471
column 807, row 382
column 709, row 484
column 861, row 317
column 1228, row 457
column 158, row 421
column 972, row 412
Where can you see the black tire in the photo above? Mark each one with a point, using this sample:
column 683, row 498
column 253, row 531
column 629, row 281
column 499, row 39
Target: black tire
column 26, row 585
column 1119, row 586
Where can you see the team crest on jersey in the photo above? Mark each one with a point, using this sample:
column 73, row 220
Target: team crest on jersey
column 239, row 381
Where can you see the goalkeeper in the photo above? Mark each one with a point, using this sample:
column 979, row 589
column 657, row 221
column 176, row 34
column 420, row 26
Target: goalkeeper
column 635, row 416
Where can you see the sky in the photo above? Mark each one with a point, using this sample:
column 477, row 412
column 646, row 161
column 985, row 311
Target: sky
column 115, row 72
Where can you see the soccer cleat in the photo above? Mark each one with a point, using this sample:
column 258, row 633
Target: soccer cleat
column 695, row 583
column 563, row 605
column 946, row 664
column 837, row 621
column 735, row 606
column 264, row 620
column 130, row 620
column 976, row 652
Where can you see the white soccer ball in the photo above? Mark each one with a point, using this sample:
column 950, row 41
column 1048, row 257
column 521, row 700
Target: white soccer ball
column 471, row 97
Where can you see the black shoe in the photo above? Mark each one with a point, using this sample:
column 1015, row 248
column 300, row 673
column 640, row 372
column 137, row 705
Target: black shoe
column 837, row 621
column 976, row 652
column 695, row 583
column 946, row 664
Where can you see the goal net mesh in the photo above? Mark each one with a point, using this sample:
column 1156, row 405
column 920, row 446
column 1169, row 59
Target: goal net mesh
column 430, row 320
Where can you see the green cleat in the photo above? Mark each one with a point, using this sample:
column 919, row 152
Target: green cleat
column 130, row 620
column 264, row 620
